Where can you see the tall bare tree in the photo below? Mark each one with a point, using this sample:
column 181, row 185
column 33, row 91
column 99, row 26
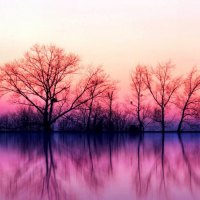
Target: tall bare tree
column 42, row 80
column 162, row 87
column 188, row 98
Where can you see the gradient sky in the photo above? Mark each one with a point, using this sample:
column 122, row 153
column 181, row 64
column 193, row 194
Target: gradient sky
column 114, row 33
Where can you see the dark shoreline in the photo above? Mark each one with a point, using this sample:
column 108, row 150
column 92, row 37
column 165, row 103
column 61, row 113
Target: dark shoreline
column 97, row 133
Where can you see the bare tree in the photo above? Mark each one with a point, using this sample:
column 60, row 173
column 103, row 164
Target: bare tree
column 188, row 98
column 110, row 97
column 162, row 87
column 139, row 88
column 42, row 80
column 99, row 84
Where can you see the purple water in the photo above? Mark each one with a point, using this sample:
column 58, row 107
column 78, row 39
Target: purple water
column 104, row 167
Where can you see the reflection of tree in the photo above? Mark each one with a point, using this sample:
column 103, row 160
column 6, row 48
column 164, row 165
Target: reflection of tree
column 95, row 165
column 50, row 178
column 110, row 169
column 32, row 178
column 163, row 181
column 162, row 171
column 138, row 175
column 193, row 176
column 48, row 170
column 92, row 161
column 150, row 168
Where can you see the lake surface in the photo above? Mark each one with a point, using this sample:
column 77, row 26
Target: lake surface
column 103, row 167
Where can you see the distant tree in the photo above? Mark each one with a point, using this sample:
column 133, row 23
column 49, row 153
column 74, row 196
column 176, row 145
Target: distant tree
column 188, row 98
column 5, row 122
column 26, row 119
column 72, row 122
column 138, row 88
column 22, row 119
column 122, row 119
column 42, row 80
column 99, row 85
column 98, row 118
column 110, row 97
column 91, row 114
column 162, row 86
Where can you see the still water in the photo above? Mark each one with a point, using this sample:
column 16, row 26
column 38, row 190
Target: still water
column 104, row 167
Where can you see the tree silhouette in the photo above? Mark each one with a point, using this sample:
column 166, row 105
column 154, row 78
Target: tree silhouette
column 188, row 99
column 99, row 85
column 91, row 115
column 162, row 87
column 110, row 97
column 138, row 88
column 42, row 80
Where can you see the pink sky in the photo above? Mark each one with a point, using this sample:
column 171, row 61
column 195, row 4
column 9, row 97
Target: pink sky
column 113, row 33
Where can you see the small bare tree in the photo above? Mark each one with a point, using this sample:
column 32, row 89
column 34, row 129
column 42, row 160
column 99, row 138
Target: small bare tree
column 99, row 84
column 139, row 88
column 111, row 97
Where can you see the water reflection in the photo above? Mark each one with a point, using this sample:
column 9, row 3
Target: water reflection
column 152, row 166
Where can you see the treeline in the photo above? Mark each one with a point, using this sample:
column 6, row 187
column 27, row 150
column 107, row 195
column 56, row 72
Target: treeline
column 54, row 93
column 25, row 119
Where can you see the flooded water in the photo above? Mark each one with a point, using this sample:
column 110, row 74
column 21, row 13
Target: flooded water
column 103, row 167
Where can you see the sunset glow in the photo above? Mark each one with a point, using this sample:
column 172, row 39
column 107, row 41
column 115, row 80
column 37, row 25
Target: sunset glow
column 115, row 34
column 99, row 99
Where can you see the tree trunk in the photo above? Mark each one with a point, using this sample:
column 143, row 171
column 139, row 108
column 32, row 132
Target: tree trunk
column 141, row 126
column 163, row 120
column 46, row 125
column 89, row 120
column 110, row 121
column 47, row 128
column 180, row 126
column 181, row 120
column 89, row 116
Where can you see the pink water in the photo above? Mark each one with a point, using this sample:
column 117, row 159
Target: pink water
column 116, row 167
